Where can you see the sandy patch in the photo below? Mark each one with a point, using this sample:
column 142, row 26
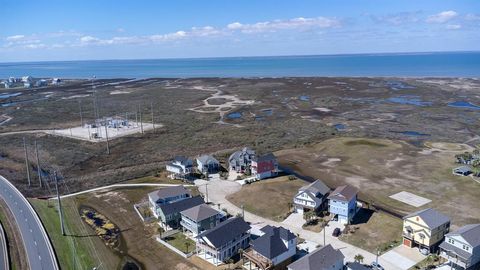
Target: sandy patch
column 119, row 92
column 76, row 96
column 321, row 109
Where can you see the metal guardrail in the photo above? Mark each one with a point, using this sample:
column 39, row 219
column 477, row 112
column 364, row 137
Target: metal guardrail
column 5, row 248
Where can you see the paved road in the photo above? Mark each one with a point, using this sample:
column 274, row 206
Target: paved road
column 218, row 190
column 3, row 249
column 37, row 245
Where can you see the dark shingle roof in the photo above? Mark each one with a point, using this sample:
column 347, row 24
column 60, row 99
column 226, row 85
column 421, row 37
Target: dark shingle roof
column 316, row 187
column 320, row 259
column 179, row 206
column 471, row 234
column 168, row 192
column 343, row 193
column 225, row 231
column 200, row 212
column 181, row 159
column 432, row 218
column 270, row 244
column 357, row 266
column 205, row 159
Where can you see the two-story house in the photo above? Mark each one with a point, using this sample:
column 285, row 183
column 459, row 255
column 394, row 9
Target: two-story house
column 342, row 203
column 165, row 196
column 324, row 258
column 462, row 247
column 312, row 197
column 264, row 166
column 180, row 167
column 273, row 250
column 169, row 214
column 425, row 229
column 207, row 164
column 240, row 161
column 200, row 218
column 223, row 241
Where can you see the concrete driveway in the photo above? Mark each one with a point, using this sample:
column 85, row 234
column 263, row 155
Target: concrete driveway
column 404, row 257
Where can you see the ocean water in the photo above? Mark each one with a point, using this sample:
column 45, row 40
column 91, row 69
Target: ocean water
column 453, row 64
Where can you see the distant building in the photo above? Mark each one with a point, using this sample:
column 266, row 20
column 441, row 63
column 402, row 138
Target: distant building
column 26, row 79
column 41, row 83
column 56, row 81
column 207, row 164
column 324, row 258
column 180, row 168
column 7, row 84
column 240, row 161
column 27, row 85
column 200, row 218
column 312, row 197
column 12, row 80
column 222, row 242
column 342, row 203
column 274, row 249
column 169, row 216
column 462, row 247
column 425, row 229
column 165, row 196
column 462, row 171
column 264, row 166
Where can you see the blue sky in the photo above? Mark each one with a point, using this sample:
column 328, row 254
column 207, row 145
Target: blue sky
column 109, row 29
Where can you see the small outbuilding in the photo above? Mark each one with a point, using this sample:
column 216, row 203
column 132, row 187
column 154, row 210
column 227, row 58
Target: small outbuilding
column 462, row 171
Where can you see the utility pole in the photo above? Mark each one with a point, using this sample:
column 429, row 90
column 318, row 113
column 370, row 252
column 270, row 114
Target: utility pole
column 153, row 123
column 39, row 169
column 106, row 136
column 81, row 114
column 324, row 229
column 136, row 116
column 59, row 203
column 243, row 212
column 206, row 191
column 141, row 122
column 27, row 165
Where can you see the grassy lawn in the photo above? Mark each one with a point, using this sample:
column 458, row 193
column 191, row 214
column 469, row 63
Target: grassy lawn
column 268, row 198
column 72, row 252
column 379, row 232
column 181, row 242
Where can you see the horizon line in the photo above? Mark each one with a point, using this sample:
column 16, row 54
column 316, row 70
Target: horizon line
column 249, row 56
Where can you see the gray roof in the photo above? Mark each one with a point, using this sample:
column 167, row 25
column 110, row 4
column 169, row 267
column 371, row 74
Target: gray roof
column 168, row 192
column 471, row 234
column 463, row 169
column 270, row 245
column 316, row 187
column 205, row 159
column 179, row 206
column 200, row 212
column 183, row 160
column 225, row 231
column 460, row 252
column 343, row 193
column 266, row 157
column 357, row 266
column 244, row 151
column 431, row 217
column 320, row 259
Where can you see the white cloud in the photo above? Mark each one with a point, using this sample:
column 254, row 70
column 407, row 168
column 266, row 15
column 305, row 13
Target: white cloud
column 472, row 17
column 397, row 18
column 291, row 24
column 442, row 17
column 453, row 26
column 15, row 38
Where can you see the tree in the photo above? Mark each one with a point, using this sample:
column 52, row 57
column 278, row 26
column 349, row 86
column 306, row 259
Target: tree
column 359, row 258
column 187, row 245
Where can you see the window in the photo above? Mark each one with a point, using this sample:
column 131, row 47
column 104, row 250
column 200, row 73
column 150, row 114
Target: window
column 465, row 247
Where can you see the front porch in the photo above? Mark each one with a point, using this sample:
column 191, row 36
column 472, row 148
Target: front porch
column 254, row 261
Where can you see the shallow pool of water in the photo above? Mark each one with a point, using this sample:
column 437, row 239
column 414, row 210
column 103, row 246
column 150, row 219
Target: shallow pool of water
column 409, row 100
column 9, row 95
column 397, row 85
column 340, row 127
column 463, row 104
column 234, row 115
column 304, row 98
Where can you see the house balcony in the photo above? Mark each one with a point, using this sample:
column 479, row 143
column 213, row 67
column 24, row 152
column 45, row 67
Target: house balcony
column 256, row 261
column 454, row 258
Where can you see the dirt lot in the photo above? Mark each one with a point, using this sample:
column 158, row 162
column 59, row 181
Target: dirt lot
column 138, row 242
column 257, row 197
column 380, row 168
column 270, row 114
column 374, row 231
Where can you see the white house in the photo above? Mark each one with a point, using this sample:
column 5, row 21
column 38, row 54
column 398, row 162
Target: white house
column 274, row 249
column 180, row 167
column 462, row 247
column 207, row 164
column 312, row 197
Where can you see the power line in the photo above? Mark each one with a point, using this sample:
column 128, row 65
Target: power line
column 39, row 169
column 26, row 160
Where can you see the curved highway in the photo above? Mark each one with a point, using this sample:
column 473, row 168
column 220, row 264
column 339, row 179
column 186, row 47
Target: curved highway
column 39, row 250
